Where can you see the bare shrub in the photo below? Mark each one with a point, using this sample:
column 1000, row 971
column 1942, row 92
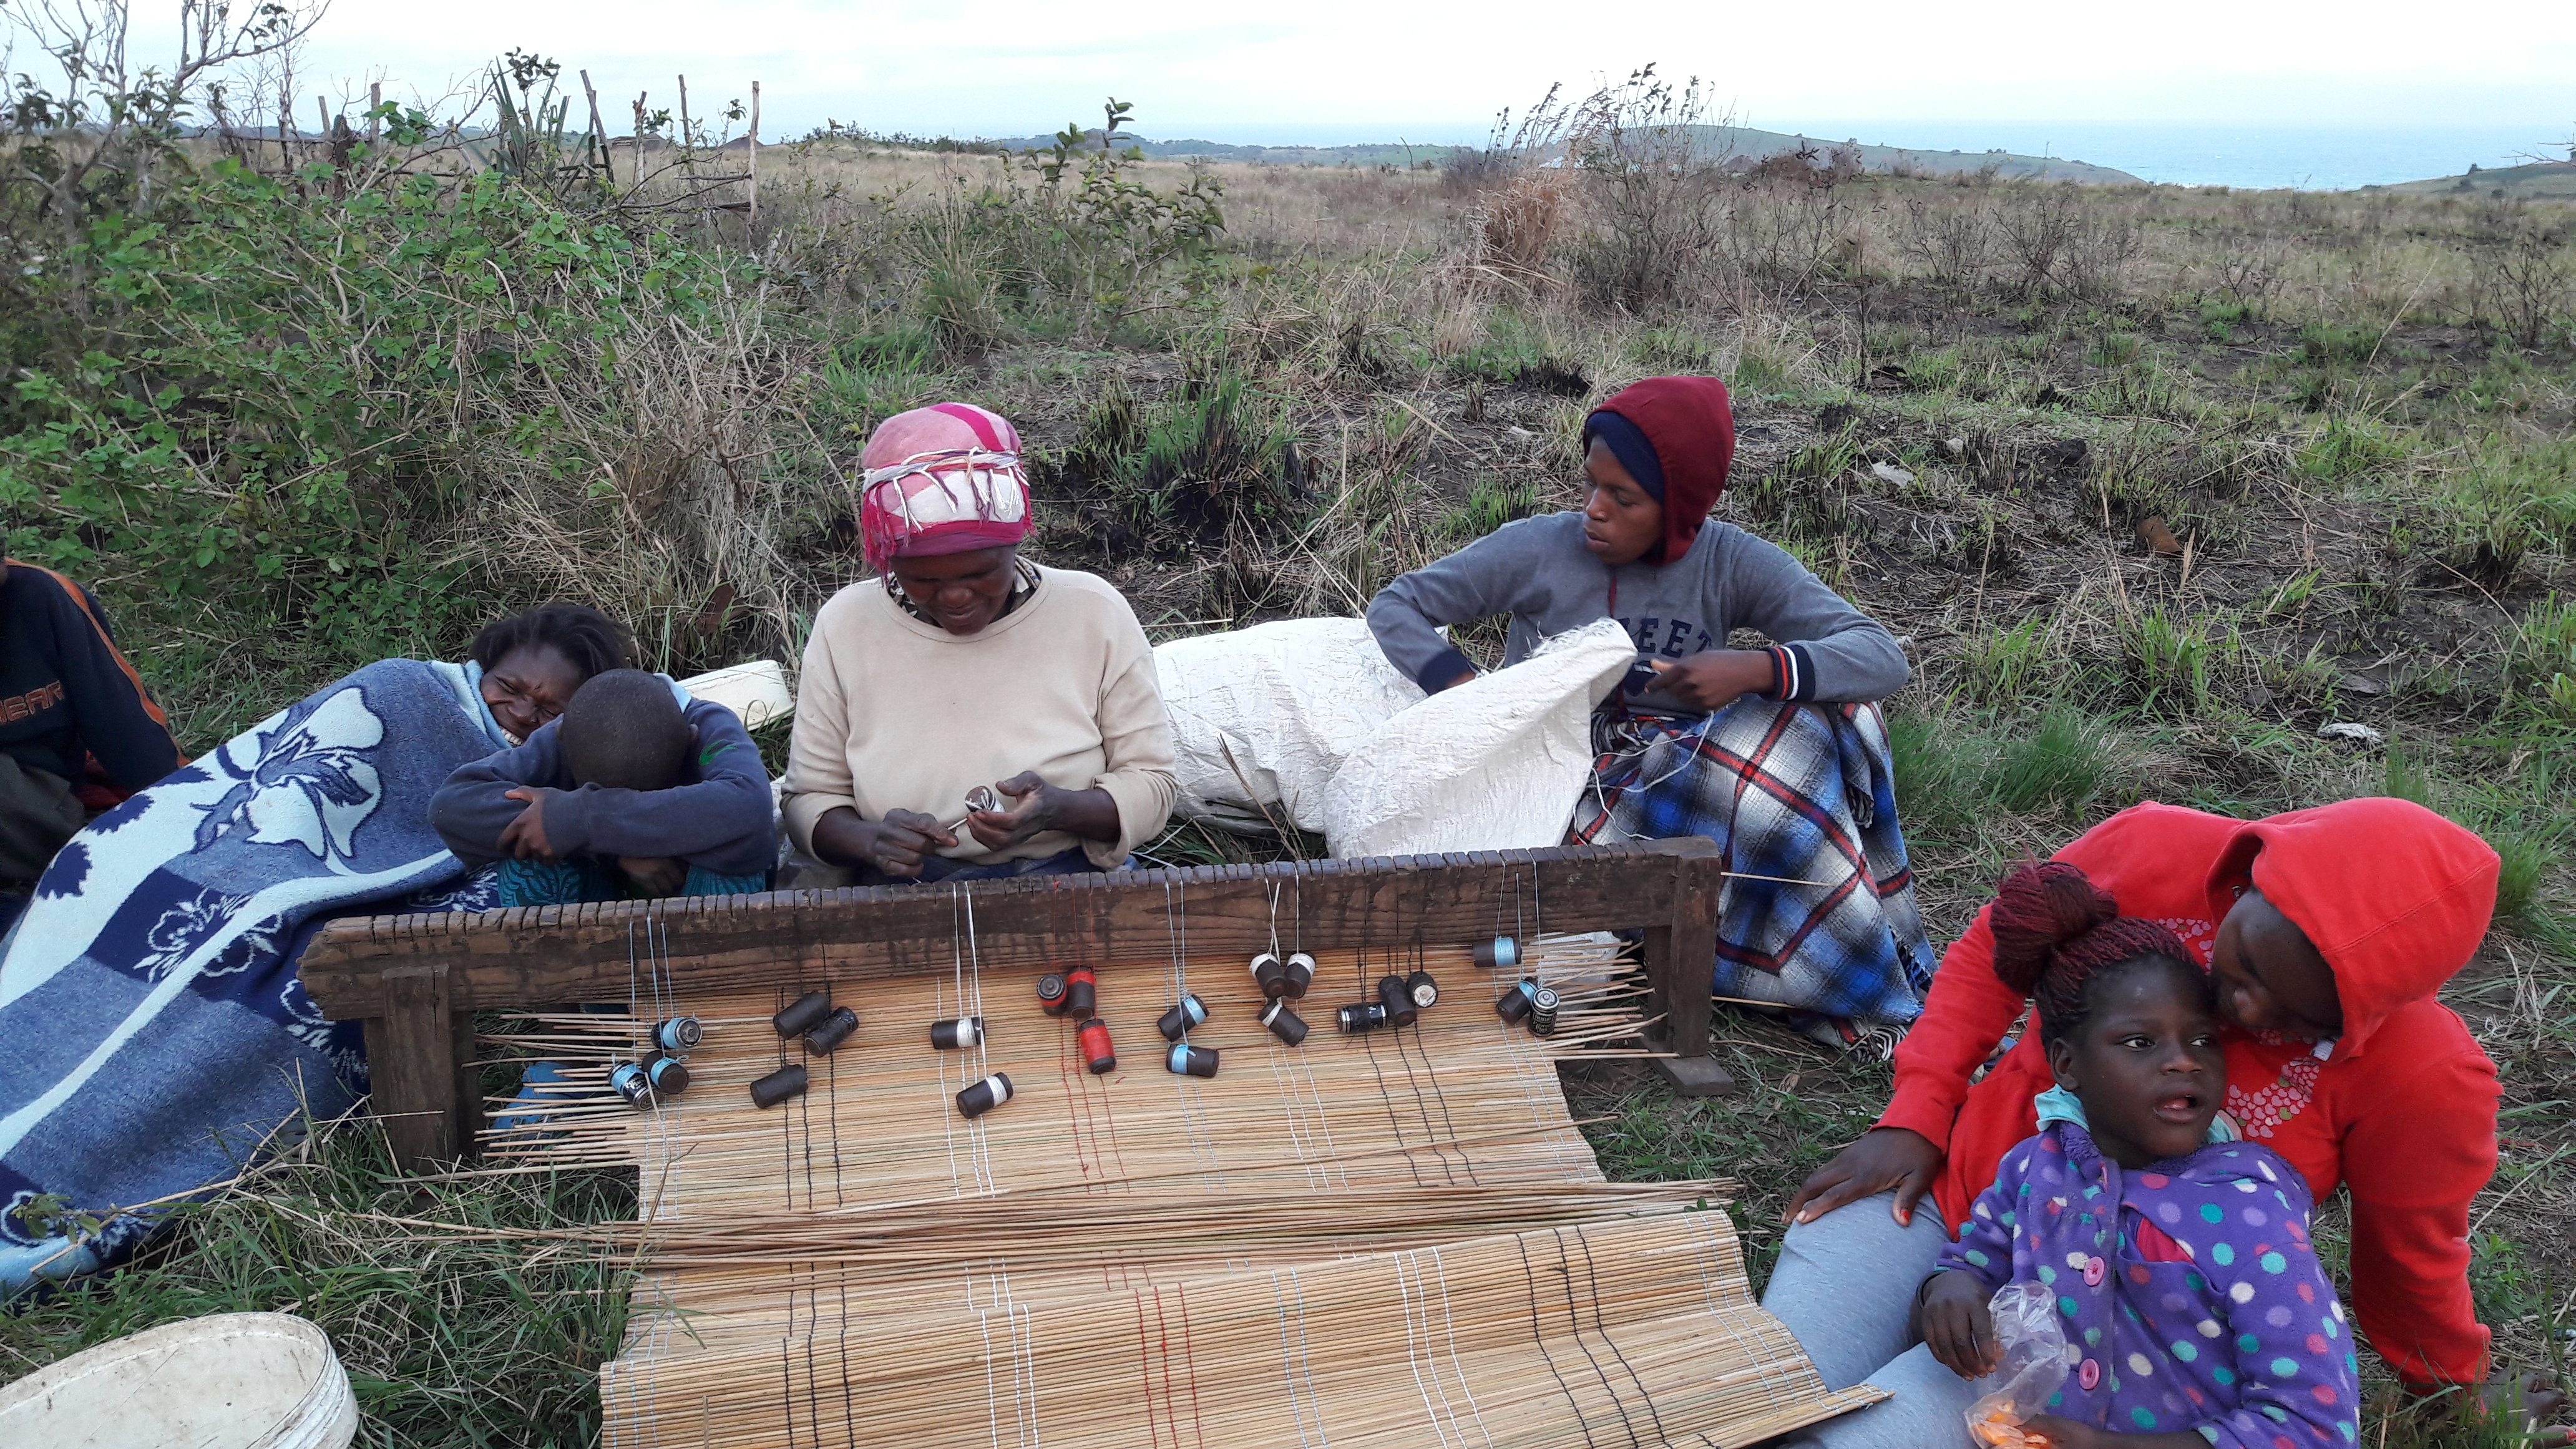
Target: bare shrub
column 2039, row 223
column 1954, row 243
column 2523, row 273
column 2250, row 270
column 1653, row 186
column 2094, row 262
column 1784, row 235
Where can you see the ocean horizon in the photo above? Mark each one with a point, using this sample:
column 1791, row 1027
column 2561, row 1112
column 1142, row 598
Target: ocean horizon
column 2242, row 154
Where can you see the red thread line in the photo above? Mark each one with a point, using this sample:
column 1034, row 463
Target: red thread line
column 1189, row 1365
column 1145, row 1360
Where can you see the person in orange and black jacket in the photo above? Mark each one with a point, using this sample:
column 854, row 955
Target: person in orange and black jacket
column 78, row 731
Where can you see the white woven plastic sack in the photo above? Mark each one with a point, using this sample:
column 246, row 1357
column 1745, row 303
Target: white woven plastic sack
column 1289, row 700
column 1495, row 764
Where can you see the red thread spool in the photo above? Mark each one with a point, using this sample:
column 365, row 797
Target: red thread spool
column 1051, row 994
column 1081, row 993
column 1097, row 1053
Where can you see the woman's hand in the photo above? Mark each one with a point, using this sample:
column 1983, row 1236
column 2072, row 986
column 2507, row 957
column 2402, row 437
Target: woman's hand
column 1714, row 678
column 1958, row 1326
column 525, row 837
column 2062, row 1433
column 1883, row 1158
column 894, row 846
column 1041, row 807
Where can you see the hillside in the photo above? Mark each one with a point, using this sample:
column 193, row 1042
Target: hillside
column 2537, row 181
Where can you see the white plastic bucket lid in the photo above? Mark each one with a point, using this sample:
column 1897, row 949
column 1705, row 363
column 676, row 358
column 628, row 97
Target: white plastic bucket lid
column 224, row 1381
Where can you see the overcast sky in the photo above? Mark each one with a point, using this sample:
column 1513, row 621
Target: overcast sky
column 1334, row 71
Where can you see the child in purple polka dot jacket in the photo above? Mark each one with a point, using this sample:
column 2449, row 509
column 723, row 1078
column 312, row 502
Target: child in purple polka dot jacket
column 2195, row 1311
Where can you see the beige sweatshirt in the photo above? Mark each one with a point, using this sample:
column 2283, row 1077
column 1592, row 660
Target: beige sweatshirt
column 893, row 713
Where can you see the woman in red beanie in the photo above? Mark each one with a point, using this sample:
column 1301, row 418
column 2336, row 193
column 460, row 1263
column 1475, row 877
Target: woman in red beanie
column 2326, row 933
column 1777, row 752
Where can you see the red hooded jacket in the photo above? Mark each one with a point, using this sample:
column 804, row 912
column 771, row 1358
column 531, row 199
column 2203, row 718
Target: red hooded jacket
column 2402, row 1111
column 1691, row 427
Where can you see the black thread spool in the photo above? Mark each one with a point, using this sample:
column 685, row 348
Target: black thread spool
column 1542, row 1016
column 1051, row 994
column 965, row 1033
column 984, row 1096
column 1081, row 993
column 1360, row 1016
column 1301, row 974
column 806, row 1010
column 669, row 1076
column 1189, row 1061
column 1514, row 1005
column 1271, row 975
column 1097, row 1052
column 831, row 1032
column 788, row 1081
column 1400, row 1010
column 1499, row 954
column 628, row 1080
column 1424, row 991
column 1186, row 1013
column 679, row 1034
column 1283, row 1023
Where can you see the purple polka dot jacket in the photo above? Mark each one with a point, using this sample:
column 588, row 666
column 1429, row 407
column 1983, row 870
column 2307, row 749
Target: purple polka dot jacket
column 2192, row 1298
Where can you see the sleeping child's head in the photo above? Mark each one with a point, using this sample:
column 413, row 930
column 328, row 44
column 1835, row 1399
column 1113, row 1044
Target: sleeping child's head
column 624, row 731
column 2124, row 1014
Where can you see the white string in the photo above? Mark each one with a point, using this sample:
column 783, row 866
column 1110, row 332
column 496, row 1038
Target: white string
column 1287, row 1357
column 1401, row 1262
column 1450, row 1319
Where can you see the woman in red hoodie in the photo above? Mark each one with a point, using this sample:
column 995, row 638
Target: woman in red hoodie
column 2327, row 932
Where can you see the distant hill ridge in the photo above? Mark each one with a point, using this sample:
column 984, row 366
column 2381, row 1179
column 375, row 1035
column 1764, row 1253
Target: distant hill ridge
column 1743, row 143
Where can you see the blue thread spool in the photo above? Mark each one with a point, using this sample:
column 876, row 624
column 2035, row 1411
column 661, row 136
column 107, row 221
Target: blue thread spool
column 1499, row 954
column 1283, row 1023
column 1514, row 1005
column 1189, row 1061
column 806, row 1010
column 1186, row 1013
column 628, row 1081
column 669, row 1076
column 788, row 1081
column 1422, row 989
column 1360, row 1016
column 831, row 1032
column 984, row 1096
column 963, row 1034
column 1300, row 974
column 1542, row 1017
column 1400, row 1008
column 679, row 1034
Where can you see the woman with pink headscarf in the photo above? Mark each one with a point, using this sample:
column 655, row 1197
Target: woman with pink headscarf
column 965, row 670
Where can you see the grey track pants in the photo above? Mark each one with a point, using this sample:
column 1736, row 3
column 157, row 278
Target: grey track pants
column 1845, row 1287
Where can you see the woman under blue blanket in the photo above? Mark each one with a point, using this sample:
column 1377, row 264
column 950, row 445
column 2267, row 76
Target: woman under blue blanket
column 1777, row 753
column 157, row 1032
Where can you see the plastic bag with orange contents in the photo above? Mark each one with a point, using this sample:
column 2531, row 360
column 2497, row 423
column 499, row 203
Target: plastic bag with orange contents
column 2033, row 1343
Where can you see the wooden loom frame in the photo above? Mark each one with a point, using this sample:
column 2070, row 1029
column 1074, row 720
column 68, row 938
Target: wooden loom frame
column 417, row 980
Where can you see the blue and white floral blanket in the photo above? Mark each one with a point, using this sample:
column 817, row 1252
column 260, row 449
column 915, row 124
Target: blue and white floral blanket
column 153, row 1032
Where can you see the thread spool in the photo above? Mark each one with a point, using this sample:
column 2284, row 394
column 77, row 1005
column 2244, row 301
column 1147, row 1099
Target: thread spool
column 1514, row 1005
column 1097, row 1053
column 1360, row 1016
column 984, row 1096
column 1424, row 991
column 1186, row 1013
column 1284, row 1024
column 628, row 1080
column 1271, row 975
column 788, row 1081
column 669, row 1076
column 1051, row 994
column 961, row 1034
column 1301, row 974
column 831, row 1031
column 1081, row 993
column 1542, row 1016
column 1499, row 954
column 801, row 1014
column 679, row 1034
column 1400, row 1010
column 1190, row 1061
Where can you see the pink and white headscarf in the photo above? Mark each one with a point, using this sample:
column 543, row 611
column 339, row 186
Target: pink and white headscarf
column 941, row 479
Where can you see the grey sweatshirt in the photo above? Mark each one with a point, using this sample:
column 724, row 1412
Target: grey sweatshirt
column 718, row 817
column 1538, row 571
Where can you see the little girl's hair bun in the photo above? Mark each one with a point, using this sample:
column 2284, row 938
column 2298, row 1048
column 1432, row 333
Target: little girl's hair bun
column 2055, row 932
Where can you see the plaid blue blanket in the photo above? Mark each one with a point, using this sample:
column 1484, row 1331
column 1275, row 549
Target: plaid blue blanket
column 1820, row 921
column 155, row 1030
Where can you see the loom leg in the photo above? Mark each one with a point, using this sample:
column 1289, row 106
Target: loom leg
column 411, row 1055
column 1695, row 1076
